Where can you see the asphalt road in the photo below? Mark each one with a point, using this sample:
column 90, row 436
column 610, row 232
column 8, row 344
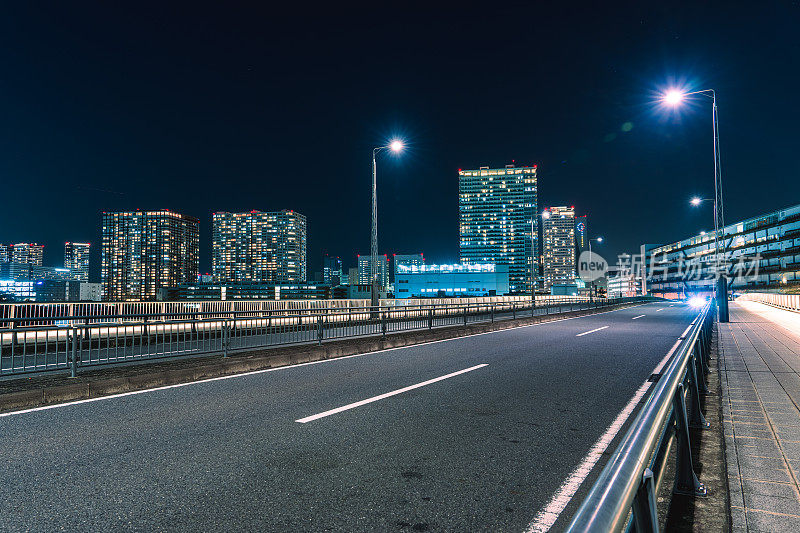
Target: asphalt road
column 482, row 450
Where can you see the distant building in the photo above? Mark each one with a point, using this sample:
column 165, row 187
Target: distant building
column 332, row 270
column 264, row 247
column 17, row 291
column 352, row 276
column 23, row 253
column 622, row 283
column 365, row 271
column 29, row 272
column 581, row 236
column 76, row 258
column 143, row 251
column 48, row 291
column 247, row 291
column 558, row 239
column 472, row 279
column 406, row 260
column 497, row 220
column 760, row 252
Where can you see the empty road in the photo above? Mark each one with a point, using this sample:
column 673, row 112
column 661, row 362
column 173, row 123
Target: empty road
column 491, row 432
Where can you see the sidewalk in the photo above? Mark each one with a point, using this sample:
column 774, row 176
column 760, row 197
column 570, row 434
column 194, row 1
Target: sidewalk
column 760, row 373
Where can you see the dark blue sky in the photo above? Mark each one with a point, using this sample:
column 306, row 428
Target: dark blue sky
column 231, row 106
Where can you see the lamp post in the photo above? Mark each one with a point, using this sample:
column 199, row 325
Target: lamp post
column 395, row 146
column 592, row 286
column 674, row 98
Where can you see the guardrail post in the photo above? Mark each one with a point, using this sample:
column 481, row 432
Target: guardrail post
column 383, row 323
column 73, row 364
column 13, row 340
column 514, row 310
column 686, row 481
column 320, row 331
column 696, row 418
column 465, row 315
column 492, row 312
column 226, row 334
column 430, row 318
column 645, row 513
column 700, row 369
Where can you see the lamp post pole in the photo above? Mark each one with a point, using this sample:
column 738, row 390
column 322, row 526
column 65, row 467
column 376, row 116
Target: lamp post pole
column 395, row 146
column 592, row 286
column 721, row 281
column 373, row 250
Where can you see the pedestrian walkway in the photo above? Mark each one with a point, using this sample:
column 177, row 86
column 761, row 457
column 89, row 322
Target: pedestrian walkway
column 759, row 353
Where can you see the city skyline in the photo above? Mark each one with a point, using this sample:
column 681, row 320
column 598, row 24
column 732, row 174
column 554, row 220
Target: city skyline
column 222, row 135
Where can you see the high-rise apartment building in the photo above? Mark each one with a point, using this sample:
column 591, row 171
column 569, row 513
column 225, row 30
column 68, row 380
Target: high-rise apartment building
column 497, row 220
column 76, row 258
column 143, row 251
column 23, row 253
column 365, row 271
column 558, row 239
column 407, row 260
column 259, row 247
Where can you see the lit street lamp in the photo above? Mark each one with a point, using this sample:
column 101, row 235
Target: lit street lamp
column 675, row 97
column 395, row 146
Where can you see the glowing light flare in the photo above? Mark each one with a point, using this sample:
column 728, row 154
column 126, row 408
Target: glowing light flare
column 695, row 201
column 697, row 301
column 396, row 145
column 673, row 97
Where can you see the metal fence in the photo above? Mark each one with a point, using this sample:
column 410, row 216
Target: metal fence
column 625, row 494
column 43, row 343
column 790, row 302
column 100, row 311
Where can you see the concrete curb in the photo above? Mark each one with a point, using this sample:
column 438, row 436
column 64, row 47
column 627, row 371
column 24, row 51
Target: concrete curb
column 98, row 383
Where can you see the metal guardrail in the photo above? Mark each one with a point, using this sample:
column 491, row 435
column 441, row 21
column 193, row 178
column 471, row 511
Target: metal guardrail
column 790, row 302
column 102, row 310
column 36, row 344
column 625, row 494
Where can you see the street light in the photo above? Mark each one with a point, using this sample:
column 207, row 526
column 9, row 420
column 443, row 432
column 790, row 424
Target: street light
column 396, row 146
column 675, row 97
column 598, row 240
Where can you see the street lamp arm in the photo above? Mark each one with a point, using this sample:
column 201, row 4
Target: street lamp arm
column 705, row 92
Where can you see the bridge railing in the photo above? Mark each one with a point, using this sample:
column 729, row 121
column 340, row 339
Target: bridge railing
column 626, row 492
column 790, row 302
column 35, row 344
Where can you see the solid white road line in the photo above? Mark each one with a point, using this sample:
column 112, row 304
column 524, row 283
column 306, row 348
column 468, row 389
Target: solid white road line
column 657, row 310
column 545, row 518
column 386, row 395
column 640, row 316
column 590, row 331
column 289, row 367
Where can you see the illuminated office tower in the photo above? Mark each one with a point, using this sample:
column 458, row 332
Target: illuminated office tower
column 332, row 270
column 22, row 253
column 558, row 239
column 259, row 247
column 497, row 220
column 76, row 258
column 143, row 251
column 365, row 271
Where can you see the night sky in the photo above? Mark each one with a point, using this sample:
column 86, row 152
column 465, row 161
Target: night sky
column 200, row 108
